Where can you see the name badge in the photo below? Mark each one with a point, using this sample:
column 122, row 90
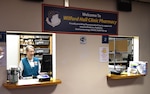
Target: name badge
column 35, row 63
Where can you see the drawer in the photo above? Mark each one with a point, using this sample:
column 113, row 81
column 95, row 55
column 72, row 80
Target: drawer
column 39, row 57
column 42, row 37
column 41, row 42
column 42, row 50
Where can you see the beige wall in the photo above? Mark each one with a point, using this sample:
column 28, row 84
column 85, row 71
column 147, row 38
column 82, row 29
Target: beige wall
column 78, row 65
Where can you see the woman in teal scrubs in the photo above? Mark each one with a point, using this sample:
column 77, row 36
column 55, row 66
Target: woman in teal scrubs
column 30, row 66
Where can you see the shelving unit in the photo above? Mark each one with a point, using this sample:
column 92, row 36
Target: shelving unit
column 41, row 43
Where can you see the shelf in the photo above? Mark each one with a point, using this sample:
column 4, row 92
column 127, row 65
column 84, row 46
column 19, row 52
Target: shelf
column 34, row 45
column 118, row 61
column 25, row 44
column 123, row 52
column 31, row 83
column 111, row 52
column 123, row 76
column 34, row 53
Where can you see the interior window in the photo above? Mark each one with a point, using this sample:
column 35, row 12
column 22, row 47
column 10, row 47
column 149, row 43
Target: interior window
column 121, row 52
column 43, row 49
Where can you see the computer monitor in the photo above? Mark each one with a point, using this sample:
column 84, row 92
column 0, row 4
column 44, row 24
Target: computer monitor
column 46, row 63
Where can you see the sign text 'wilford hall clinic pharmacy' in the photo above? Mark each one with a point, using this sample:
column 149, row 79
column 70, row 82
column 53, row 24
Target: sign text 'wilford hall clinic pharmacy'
column 76, row 20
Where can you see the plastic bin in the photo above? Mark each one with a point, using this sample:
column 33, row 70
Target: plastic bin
column 42, row 50
column 42, row 37
column 41, row 42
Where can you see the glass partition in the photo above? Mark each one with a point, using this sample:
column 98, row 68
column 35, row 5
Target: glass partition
column 122, row 50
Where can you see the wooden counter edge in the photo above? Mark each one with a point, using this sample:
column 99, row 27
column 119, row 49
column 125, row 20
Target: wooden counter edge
column 123, row 76
column 46, row 83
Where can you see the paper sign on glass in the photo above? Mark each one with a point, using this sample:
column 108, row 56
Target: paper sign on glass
column 103, row 54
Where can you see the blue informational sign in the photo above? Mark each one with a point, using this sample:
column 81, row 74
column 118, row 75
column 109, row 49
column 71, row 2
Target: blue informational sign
column 2, row 36
column 2, row 48
column 75, row 20
column 105, row 39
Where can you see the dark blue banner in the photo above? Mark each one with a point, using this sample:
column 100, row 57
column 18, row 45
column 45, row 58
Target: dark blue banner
column 75, row 20
column 2, row 36
column 2, row 48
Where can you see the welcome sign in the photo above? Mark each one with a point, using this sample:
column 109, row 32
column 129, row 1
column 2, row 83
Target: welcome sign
column 75, row 20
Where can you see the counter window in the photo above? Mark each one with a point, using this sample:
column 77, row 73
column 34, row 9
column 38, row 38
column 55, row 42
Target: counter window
column 40, row 47
column 121, row 51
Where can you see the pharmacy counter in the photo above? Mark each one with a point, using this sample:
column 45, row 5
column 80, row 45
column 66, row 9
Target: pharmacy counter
column 31, row 83
column 123, row 76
